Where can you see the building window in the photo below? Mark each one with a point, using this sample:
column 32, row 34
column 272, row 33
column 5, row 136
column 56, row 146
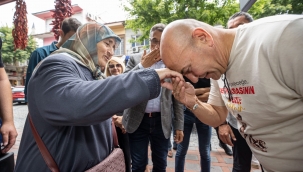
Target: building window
column 120, row 50
column 136, row 43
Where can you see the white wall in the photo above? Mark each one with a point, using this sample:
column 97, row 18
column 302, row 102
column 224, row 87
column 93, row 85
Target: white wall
column 128, row 46
column 79, row 16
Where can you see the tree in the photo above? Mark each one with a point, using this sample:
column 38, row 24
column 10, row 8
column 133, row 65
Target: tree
column 9, row 55
column 143, row 14
column 264, row 8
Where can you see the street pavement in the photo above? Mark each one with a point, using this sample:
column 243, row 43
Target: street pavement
column 220, row 162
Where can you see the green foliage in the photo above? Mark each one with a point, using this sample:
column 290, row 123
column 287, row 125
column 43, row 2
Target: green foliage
column 8, row 53
column 263, row 8
column 145, row 13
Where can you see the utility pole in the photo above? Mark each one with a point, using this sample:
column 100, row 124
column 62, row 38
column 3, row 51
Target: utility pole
column 246, row 4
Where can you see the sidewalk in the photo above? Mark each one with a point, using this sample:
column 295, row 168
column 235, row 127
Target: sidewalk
column 220, row 162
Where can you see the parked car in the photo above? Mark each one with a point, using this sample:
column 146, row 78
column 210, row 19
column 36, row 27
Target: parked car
column 18, row 94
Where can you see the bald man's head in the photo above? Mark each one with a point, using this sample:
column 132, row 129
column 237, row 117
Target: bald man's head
column 188, row 46
column 178, row 35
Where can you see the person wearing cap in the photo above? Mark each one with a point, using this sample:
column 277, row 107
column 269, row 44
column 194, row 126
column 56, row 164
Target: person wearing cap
column 71, row 102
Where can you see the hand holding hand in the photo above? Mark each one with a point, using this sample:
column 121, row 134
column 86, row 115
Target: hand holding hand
column 184, row 92
column 9, row 135
column 151, row 58
column 178, row 138
column 118, row 122
column 202, row 93
column 167, row 73
column 226, row 134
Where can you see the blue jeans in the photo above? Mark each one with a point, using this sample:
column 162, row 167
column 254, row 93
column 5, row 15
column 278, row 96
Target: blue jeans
column 204, row 136
column 150, row 129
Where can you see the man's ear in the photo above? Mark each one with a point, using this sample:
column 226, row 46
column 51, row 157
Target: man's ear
column 203, row 36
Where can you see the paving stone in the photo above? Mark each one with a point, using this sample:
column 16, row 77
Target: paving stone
column 171, row 164
column 192, row 166
column 228, row 160
column 191, row 157
column 213, row 159
column 215, row 169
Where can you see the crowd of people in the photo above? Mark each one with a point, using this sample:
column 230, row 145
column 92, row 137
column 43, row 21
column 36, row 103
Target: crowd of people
column 244, row 80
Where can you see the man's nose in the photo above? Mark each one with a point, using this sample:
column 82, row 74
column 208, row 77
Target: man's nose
column 193, row 78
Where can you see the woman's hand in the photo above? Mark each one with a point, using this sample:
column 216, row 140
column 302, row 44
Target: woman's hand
column 118, row 122
column 165, row 73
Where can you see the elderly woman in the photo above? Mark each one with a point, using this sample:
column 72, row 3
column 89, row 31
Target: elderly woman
column 71, row 105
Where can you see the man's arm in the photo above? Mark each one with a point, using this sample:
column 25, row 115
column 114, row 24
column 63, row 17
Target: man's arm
column 8, row 129
column 209, row 114
column 178, row 121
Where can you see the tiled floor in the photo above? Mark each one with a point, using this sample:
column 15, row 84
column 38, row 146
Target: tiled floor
column 220, row 162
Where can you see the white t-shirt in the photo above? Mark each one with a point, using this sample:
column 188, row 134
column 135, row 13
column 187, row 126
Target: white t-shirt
column 265, row 76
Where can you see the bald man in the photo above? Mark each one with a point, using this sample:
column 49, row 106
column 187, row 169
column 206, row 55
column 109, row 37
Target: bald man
column 256, row 71
column 242, row 156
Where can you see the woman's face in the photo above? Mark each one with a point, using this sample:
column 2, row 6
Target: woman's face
column 114, row 68
column 105, row 50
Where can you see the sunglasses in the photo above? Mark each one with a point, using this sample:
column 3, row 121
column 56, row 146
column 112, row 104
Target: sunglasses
column 112, row 65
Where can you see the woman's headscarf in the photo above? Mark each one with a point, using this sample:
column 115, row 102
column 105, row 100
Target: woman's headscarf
column 82, row 46
column 116, row 59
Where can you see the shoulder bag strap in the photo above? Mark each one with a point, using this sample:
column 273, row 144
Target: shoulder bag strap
column 114, row 132
column 50, row 162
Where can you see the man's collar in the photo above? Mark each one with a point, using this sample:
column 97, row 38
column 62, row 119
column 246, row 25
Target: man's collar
column 53, row 46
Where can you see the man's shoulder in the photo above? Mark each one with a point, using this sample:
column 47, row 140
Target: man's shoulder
column 45, row 50
column 60, row 57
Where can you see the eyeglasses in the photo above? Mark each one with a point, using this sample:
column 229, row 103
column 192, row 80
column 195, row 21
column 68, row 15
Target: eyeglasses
column 113, row 65
column 226, row 88
column 154, row 41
